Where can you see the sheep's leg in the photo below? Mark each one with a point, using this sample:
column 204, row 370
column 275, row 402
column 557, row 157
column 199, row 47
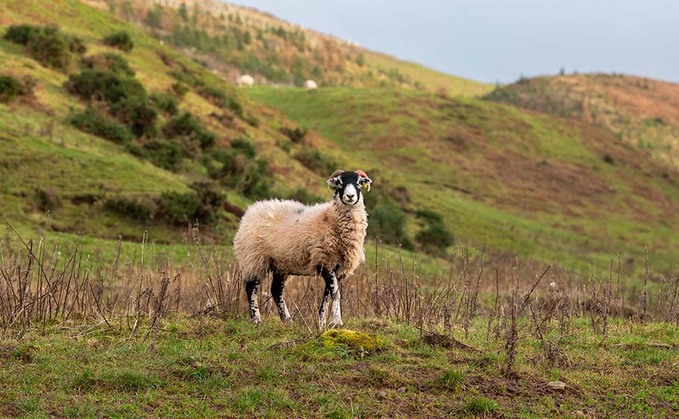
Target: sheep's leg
column 336, row 308
column 331, row 291
column 277, row 288
column 252, row 288
column 323, row 310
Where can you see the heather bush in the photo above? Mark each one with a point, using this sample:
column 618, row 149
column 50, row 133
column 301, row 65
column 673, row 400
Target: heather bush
column 167, row 104
column 121, row 40
column 189, row 131
column 10, row 88
column 241, row 169
column 46, row 44
column 108, row 61
column 97, row 123
column 142, row 209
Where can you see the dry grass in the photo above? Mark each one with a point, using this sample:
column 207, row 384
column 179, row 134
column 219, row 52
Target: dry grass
column 42, row 285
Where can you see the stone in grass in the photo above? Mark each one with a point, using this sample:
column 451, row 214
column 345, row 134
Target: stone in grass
column 355, row 341
column 556, row 385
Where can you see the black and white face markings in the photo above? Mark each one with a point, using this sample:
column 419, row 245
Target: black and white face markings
column 348, row 186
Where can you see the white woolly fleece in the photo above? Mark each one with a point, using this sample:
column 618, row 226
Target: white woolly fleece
column 296, row 239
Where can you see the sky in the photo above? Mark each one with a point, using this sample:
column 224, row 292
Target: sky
column 502, row 40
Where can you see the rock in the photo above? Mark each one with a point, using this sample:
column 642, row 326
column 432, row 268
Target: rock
column 556, row 385
column 381, row 394
column 579, row 414
column 401, row 390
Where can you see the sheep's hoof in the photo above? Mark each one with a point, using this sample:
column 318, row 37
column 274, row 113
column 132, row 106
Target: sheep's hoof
column 256, row 320
column 286, row 319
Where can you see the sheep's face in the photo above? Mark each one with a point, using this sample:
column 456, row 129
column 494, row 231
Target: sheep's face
column 347, row 185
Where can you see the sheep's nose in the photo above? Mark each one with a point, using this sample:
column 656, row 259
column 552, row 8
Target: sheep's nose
column 350, row 197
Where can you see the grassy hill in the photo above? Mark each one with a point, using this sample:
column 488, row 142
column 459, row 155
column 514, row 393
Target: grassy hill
column 236, row 40
column 51, row 166
column 448, row 170
column 639, row 111
column 100, row 180
column 502, row 178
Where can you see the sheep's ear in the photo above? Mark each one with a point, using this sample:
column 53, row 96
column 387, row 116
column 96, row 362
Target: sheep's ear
column 364, row 179
column 334, row 180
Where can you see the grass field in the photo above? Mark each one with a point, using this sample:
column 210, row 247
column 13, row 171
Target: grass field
column 217, row 368
column 143, row 338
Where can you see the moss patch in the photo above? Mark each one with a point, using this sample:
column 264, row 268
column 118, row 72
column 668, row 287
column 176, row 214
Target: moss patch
column 352, row 340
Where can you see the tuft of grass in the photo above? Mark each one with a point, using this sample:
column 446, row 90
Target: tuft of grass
column 479, row 406
column 198, row 373
column 451, row 378
column 84, row 381
column 24, row 353
column 128, row 380
column 248, row 400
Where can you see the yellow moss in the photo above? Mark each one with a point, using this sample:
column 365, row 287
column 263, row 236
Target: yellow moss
column 351, row 339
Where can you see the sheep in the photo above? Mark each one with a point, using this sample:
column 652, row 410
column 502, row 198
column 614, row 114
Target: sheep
column 245, row 80
column 290, row 238
column 310, row 85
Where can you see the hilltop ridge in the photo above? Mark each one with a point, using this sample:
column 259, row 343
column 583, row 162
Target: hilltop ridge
column 236, row 39
column 640, row 111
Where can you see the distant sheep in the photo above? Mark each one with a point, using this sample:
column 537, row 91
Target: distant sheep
column 290, row 238
column 245, row 80
column 310, row 85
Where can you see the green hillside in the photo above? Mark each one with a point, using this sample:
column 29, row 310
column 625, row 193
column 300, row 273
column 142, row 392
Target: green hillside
column 52, row 167
column 503, row 179
column 163, row 143
column 101, row 142
column 639, row 111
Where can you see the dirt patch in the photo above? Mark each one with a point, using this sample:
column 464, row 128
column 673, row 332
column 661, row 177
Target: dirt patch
column 444, row 341
column 9, row 410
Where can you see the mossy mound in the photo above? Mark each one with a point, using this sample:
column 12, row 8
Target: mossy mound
column 352, row 340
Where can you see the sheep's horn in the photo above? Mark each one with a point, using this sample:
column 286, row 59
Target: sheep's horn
column 336, row 173
column 333, row 176
column 364, row 176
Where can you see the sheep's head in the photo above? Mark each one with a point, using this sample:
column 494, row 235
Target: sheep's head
column 347, row 185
